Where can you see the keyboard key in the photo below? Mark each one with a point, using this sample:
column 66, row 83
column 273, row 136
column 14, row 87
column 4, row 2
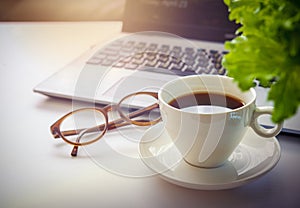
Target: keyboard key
column 117, row 43
column 138, row 61
column 163, row 58
column 175, row 60
column 94, row 61
column 106, row 62
column 176, row 49
column 100, row 55
column 126, row 59
column 176, row 54
column 203, row 62
column 219, row 59
column 189, row 58
column 222, row 71
column 129, row 44
column 131, row 66
column 208, row 69
column 119, row 64
column 225, row 52
column 177, row 66
column 201, row 52
column 138, row 56
column 164, row 48
column 150, row 56
column 164, row 65
column 189, row 51
column 111, row 53
column 151, row 63
column 189, row 62
column 140, row 46
column 213, row 51
column 218, row 66
column 113, row 58
column 152, row 47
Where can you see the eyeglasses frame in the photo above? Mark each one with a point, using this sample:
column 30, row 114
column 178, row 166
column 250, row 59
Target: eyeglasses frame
column 57, row 133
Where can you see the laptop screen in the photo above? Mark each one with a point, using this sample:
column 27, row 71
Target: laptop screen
column 197, row 19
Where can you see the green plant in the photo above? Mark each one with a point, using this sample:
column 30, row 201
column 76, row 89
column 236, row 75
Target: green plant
column 267, row 49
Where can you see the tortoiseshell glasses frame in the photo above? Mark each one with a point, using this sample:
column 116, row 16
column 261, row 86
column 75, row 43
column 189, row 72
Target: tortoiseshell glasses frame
column 125, row 119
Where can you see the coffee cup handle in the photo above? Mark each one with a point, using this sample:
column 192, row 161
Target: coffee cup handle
column 264, row 132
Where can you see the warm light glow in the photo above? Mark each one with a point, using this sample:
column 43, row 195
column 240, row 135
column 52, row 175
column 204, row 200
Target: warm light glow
column 57, row 10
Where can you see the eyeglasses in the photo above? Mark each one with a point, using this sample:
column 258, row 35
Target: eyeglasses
column 87, row 125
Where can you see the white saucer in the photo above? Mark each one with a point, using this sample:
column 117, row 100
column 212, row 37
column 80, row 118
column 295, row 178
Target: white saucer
column 254, row 157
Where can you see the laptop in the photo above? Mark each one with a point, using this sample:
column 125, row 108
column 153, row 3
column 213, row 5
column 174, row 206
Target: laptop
column 160, row 40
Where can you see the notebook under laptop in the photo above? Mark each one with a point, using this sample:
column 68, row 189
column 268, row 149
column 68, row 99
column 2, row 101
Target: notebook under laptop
column 160, row 40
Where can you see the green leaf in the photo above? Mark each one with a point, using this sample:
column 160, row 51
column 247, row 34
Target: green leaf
column 268, row 50
column 286, row 96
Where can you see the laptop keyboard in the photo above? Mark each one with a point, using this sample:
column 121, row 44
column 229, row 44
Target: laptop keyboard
column 162, row 58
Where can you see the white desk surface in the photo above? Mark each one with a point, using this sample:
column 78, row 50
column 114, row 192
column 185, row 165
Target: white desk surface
column 37, row 171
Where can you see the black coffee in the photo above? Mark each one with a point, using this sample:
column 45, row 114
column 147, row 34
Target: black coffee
column 206, row 99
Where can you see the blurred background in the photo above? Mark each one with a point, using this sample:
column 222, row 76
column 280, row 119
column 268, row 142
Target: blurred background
column 61, row 10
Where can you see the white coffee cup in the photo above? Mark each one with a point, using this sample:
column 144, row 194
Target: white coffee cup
column 206, row 135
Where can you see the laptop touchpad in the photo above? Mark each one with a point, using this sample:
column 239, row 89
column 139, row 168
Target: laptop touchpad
column 132, row 83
